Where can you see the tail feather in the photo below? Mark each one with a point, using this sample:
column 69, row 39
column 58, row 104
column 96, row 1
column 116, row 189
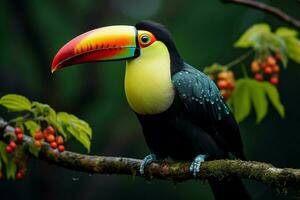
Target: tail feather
column 230, row 188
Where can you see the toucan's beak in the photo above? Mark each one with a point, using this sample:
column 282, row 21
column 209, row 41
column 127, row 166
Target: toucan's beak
column 102, row 44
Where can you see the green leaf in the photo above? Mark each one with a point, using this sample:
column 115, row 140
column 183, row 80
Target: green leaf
column 15, row 102
column 51, row 116
column 31, row 126
column 59, row 126
column 10, row 166
column 292, row 43
column 253, row 36
column 34, row 150
column 276, row 43
column 241, row 99
column 293, row 48
column 259, row 100
column 82, row 138
column 11, row 169
column 76, row 127
column 286, row 32
column 214, row 68
column 284, row 57
column 3, row 155
column 273, row 96
column 40, row 109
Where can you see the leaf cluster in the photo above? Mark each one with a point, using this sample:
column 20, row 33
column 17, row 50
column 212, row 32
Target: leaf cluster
column 261, row 38
column 250, row 93
column 66, row 124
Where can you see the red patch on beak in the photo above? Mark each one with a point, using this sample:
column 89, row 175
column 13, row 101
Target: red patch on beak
column 66, row 52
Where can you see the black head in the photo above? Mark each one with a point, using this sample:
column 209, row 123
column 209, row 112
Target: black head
column 163, row 35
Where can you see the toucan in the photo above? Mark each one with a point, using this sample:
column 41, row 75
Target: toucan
column 182, row 114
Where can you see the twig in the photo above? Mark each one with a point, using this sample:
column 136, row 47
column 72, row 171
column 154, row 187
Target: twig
column 269, row 9
column 239, row 59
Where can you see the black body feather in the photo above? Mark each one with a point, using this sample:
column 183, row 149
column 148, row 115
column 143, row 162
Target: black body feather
column 198, row 121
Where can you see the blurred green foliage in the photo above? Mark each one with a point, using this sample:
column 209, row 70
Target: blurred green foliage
column 204, row 31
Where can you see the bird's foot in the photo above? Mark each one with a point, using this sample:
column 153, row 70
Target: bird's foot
column 196, row 164
column 146, row 161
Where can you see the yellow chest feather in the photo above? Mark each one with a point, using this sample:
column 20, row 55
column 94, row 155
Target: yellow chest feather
column 148, row 84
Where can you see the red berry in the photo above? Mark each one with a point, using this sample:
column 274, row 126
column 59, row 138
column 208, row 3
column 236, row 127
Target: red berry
column 230, row 74
column 20, row 137
column 20, row 175
column 271, row 60
column 59, row 140
column 225, row 94
column 38, row 143
column 53, row 145
column 50, row 130
column 222, row 84
column 50, row 138
column 13, row 145
column 255, row 67
column 61, row 148
column 263, row 65
column 231, row 84
column 268, row 70
column 276, row 68
column 9, row 149
column 45, row 134
column 259, row 77
column 38, row 135
column 18, row 131
column 274, row 80
column 223, row 75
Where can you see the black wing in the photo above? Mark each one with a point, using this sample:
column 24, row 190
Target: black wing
column 206, row 107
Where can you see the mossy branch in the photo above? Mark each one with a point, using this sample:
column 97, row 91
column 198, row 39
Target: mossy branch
column 279, row 178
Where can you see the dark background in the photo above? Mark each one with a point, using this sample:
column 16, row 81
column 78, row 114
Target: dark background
column 204, row 31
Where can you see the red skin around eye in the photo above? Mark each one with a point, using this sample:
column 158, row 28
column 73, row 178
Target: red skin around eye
column 152, row 39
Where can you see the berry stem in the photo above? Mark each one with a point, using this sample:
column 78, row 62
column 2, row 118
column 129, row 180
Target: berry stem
column 245, row 71
column 26, row 118
column 239, row 59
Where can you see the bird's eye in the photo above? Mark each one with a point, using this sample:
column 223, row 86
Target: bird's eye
column 145, row 39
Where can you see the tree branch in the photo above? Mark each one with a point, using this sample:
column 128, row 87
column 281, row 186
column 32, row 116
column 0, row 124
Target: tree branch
column 218, row 169
column 279, row 178
column 269, row 9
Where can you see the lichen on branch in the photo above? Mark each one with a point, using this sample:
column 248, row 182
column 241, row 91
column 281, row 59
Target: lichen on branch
column 279, row 178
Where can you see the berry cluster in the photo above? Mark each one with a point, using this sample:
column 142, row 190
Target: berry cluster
column 226, row 83
column 11, row 147
column 12, row 144
column 268, row 67
column 48, row 134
